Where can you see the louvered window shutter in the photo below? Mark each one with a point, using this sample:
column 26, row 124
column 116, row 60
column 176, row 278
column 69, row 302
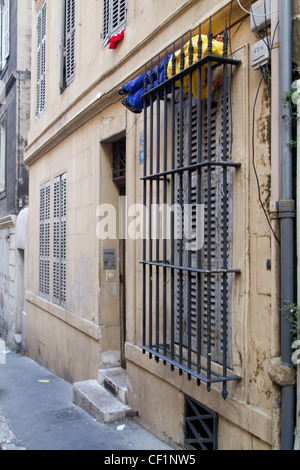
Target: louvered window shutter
column 70, row 41
column 41, row 60
column 5, row 15
column 181, row 285
column 59, row 239
column 44, row 242
column 118, row 14
column 63, row 236
column 56, row 240
column 105, row 20
column 113, row 18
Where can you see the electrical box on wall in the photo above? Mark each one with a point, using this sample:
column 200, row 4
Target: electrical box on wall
column 260, row 53
column 261, row 15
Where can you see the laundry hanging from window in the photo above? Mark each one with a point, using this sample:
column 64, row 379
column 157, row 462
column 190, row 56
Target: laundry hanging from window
column 135, row 88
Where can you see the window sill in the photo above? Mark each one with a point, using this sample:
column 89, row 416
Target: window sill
column 70, row 318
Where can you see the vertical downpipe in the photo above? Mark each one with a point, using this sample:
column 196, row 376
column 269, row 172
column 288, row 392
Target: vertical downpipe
column 286, row 213
column 297, row 440
column 275, row 196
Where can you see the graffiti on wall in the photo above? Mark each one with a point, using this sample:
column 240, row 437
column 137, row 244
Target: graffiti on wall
column 81, row 287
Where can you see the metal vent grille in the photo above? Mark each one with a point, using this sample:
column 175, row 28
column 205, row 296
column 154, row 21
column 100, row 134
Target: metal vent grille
column 201, row 426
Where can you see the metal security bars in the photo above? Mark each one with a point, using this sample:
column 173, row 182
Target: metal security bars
column 187, row 197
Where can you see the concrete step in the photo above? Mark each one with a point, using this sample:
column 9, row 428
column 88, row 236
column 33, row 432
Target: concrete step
column 115, row 381
column 99, row 402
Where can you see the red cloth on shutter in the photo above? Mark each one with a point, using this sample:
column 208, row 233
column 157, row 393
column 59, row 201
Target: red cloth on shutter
column 115, row 39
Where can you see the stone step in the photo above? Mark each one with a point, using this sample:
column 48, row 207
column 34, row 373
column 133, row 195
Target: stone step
column 115, row 381
column 99, row 402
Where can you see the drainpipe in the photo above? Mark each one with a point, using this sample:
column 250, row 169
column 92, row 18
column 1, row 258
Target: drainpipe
column 274, row 204
column 287, row 215
column 297, row 440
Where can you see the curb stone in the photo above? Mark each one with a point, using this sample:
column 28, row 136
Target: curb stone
column 7, row 437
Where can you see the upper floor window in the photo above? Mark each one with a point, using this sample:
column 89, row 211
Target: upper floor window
column 4, row 25
column 114, row 18
column 68, row 43
column 41, row 60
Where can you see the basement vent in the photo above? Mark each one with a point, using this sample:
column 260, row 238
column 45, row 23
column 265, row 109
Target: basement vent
column 201, row 426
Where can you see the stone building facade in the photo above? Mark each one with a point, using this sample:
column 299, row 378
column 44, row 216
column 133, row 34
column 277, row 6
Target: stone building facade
column 14, row 116
column 85, row 297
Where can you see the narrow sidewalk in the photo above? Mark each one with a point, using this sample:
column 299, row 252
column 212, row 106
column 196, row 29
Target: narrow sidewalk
column 37, row 413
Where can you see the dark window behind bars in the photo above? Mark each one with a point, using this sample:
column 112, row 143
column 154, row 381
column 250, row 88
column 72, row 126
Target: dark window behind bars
column 187, row 292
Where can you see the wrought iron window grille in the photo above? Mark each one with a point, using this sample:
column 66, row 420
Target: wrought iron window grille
column 119, row 161
column 167, row 328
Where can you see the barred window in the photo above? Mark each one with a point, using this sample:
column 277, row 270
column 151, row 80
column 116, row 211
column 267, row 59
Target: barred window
column 209, row 332
column 41, row 60
column 113, row 18
column 59, row 239
column 187, row 277
column 44, row 242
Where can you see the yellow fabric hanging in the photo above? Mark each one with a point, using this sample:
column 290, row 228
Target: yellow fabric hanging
column 217, row 50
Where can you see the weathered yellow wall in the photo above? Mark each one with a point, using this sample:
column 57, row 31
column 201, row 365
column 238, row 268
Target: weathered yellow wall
column 78, row 156
column 250, row 402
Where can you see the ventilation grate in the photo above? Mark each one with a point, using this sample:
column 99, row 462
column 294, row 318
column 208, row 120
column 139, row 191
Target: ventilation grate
column 201, row 426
